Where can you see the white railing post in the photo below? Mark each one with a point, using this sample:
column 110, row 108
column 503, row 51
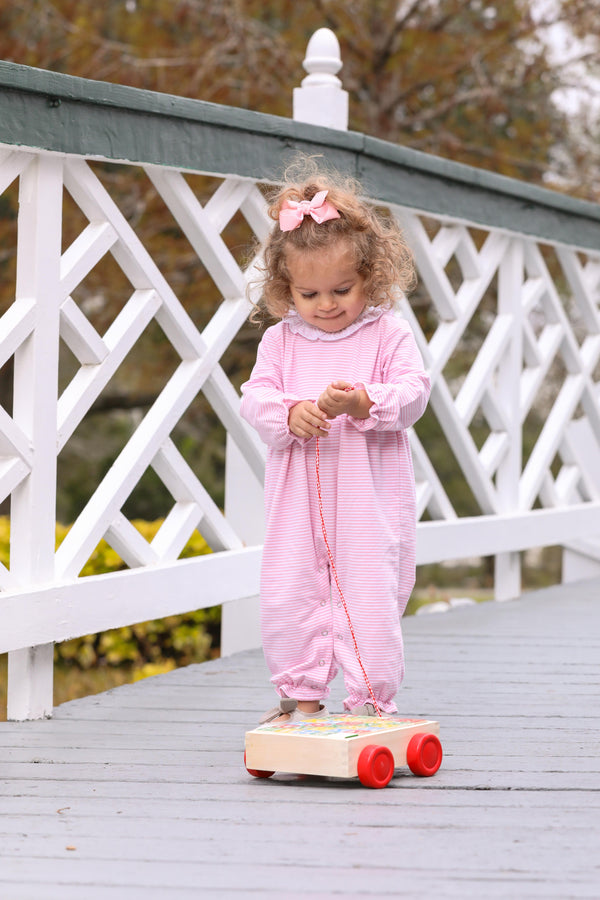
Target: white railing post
column 321, row 100
column 240, row 619
column 33, row 504
column 507, row 569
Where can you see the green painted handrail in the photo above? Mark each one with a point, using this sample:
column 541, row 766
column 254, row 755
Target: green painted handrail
column 61, row 113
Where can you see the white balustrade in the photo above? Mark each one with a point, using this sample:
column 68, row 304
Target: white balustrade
column 537, row 305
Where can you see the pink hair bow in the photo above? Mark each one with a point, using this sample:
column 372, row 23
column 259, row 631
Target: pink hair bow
column 293, row 211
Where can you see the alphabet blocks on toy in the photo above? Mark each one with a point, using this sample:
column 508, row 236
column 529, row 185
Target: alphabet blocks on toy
column 345, row 746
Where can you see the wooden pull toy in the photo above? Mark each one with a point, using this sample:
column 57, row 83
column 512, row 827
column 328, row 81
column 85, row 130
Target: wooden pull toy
column 345, row 746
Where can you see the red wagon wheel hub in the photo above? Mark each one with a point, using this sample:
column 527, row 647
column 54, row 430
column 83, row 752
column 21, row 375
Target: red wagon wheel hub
column 424, row 754
column 375, row 766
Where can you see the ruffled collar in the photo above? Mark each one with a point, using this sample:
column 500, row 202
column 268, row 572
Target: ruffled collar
column 297, row 325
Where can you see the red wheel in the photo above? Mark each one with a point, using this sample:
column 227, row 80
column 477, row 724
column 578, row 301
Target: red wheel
column 375, row 766
column 424, row 754
column 257, row 773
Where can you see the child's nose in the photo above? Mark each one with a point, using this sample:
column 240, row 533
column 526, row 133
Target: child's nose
column 327, row 301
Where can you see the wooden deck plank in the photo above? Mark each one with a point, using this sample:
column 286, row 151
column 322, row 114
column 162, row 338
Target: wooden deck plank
column 147, row 783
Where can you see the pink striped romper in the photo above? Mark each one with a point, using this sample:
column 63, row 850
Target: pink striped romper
column 368, row 494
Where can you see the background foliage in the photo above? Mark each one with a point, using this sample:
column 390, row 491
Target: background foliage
column 98, row 662
column 163, row 643
column 468, row 79
column 473, row 81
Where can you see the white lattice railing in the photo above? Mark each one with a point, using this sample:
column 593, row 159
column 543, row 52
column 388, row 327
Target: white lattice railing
column 508, row 323
column 539, row 350
column 43, row 600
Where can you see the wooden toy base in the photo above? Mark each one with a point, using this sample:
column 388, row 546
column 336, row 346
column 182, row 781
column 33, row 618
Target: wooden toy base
column 345, row 747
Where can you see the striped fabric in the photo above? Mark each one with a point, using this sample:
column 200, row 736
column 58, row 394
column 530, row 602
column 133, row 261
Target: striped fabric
column 368, row 500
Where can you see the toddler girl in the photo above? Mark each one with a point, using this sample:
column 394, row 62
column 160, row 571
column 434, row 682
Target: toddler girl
column 339, row 367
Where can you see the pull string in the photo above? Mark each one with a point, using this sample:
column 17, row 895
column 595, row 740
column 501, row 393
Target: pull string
column 336, row 579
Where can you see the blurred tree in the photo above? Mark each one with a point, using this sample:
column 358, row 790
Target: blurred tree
column 570, row 30
column 472, row 80
column 453, row 78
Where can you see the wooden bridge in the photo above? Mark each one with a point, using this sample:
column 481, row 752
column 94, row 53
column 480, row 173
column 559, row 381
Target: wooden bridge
column 508, row 324
column 142, row 792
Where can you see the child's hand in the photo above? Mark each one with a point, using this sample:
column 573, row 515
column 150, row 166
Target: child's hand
column 306, row 420
column 340, row 397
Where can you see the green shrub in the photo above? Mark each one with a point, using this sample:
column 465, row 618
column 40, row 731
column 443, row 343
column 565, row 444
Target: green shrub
column 4, row 540
column 156, row 645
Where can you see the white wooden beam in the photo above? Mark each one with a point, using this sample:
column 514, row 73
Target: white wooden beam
column 505, row 533
column 98, row 603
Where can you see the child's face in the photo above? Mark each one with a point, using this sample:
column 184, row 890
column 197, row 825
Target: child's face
column 326, row 288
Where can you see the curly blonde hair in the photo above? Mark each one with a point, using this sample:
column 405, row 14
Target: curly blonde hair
column 381, row 254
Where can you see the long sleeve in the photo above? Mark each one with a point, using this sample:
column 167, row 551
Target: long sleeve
column 399, row 400
column 265, row 404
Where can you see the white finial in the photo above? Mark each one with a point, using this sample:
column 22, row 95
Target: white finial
column 322, row 59
column 321, row 100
